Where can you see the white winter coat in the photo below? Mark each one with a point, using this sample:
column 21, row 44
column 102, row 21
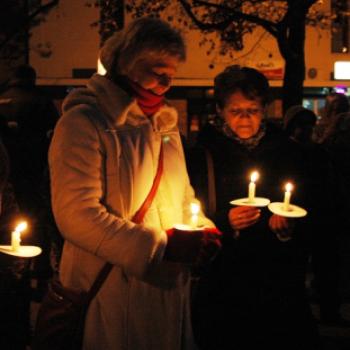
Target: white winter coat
column 103, row 158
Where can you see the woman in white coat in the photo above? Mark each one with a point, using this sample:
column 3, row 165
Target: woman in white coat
column 103, row 159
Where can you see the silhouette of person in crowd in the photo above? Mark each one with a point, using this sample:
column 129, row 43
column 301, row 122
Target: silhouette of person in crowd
column 14, row 271
column 31, row 116
column 336, row 139
column 325, row 207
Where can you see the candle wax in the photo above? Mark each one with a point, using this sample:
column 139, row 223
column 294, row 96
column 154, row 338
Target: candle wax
column 251, row 192
column 194, row 222
column 286, row 201
column 15, row 240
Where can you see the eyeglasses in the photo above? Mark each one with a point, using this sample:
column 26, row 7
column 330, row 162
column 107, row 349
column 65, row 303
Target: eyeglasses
column 253, row 112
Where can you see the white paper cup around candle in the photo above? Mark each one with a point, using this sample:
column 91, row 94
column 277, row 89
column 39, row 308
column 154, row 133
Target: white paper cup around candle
column 194, row 217
column 16, row 236
column 251, row 188
column 182, row 227
column 287, row 196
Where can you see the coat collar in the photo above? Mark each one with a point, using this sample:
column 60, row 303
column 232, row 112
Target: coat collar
column 119, row 107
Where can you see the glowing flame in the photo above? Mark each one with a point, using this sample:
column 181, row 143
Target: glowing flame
column 289, row 187
column 22, row 226
column 254, row 176
column 100, row 68
column 194, row 208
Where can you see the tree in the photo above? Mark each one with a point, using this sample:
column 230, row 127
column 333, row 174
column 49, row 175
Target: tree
column 16, row 19
column 111, row 18
column 285, row 20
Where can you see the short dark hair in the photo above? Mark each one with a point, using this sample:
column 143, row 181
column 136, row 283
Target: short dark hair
column 25, row 72
column 336, row 103
column 249, row 81
column 298, row 116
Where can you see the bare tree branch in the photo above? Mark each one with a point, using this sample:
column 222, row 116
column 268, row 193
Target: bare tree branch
column 43, row 9
column 31, row 17
column 235, row 15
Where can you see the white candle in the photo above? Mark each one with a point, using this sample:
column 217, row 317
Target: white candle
column 15, row 240
column 16, row 236
column 251, row 188
column 287, row 195
column 194, row 217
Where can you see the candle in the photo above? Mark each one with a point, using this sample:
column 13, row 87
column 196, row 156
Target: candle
column 287, row 195
column 251, row 189
column 16, row 236
column 194, row 217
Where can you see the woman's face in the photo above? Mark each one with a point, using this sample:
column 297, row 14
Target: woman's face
column 154, row 74
column 242, row 115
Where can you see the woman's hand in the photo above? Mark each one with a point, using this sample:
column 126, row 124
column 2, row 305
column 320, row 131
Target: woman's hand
column 243, row 217
column 198, row 246
column 283, row 227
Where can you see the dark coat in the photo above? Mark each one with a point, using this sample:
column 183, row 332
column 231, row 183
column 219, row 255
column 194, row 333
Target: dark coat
column 31, row 114
column 253, row 295
column 14, row 281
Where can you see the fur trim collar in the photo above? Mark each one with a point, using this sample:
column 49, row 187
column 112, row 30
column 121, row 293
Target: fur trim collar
column 117, row 105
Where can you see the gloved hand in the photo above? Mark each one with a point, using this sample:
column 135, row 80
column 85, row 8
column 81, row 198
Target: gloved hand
column 211, row 245
column 199, row 246
column 183, row 246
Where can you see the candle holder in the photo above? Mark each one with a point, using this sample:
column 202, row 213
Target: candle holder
column 293, row 211
column 183, row 227
column 257, row 202
column 24, row 251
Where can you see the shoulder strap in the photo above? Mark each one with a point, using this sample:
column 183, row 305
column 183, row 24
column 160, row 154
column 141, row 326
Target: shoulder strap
column 106, row 269
column 138, row 217
column 211, row 184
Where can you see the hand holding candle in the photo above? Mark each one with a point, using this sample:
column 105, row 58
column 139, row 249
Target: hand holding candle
column 286, row 209
column 194, row 217
column 251, row 188
column 287, row 195
column 16, row 236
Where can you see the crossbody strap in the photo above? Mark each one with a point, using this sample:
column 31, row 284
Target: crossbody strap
column 138, row 217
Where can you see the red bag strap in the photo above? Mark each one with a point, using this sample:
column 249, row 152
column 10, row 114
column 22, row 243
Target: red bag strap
column 138, row 217
column 140, row 214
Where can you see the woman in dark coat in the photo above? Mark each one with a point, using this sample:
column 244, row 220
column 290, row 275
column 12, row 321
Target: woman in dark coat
column 253, row 295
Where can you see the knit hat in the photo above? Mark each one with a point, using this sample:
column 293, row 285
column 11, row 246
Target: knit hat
column 109, row 50
column 293, row 111
column 140, row 37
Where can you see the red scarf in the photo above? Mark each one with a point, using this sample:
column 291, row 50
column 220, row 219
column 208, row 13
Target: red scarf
column 146, row 99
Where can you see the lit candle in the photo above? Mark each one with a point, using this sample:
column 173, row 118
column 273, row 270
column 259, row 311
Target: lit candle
column 287, row 195
column 251, row 189
column 194, row 217
column 16, row 236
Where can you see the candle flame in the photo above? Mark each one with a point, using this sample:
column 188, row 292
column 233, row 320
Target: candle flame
column 22, row 226
column 100, row 68
column 289, row 187
column 254, row 176
column 194, row 208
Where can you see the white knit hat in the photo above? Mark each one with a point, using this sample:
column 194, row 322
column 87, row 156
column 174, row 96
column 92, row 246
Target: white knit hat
column 108, row 51
column 141, row 37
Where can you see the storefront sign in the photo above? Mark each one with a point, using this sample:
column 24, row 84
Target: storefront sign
column 271, row 69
